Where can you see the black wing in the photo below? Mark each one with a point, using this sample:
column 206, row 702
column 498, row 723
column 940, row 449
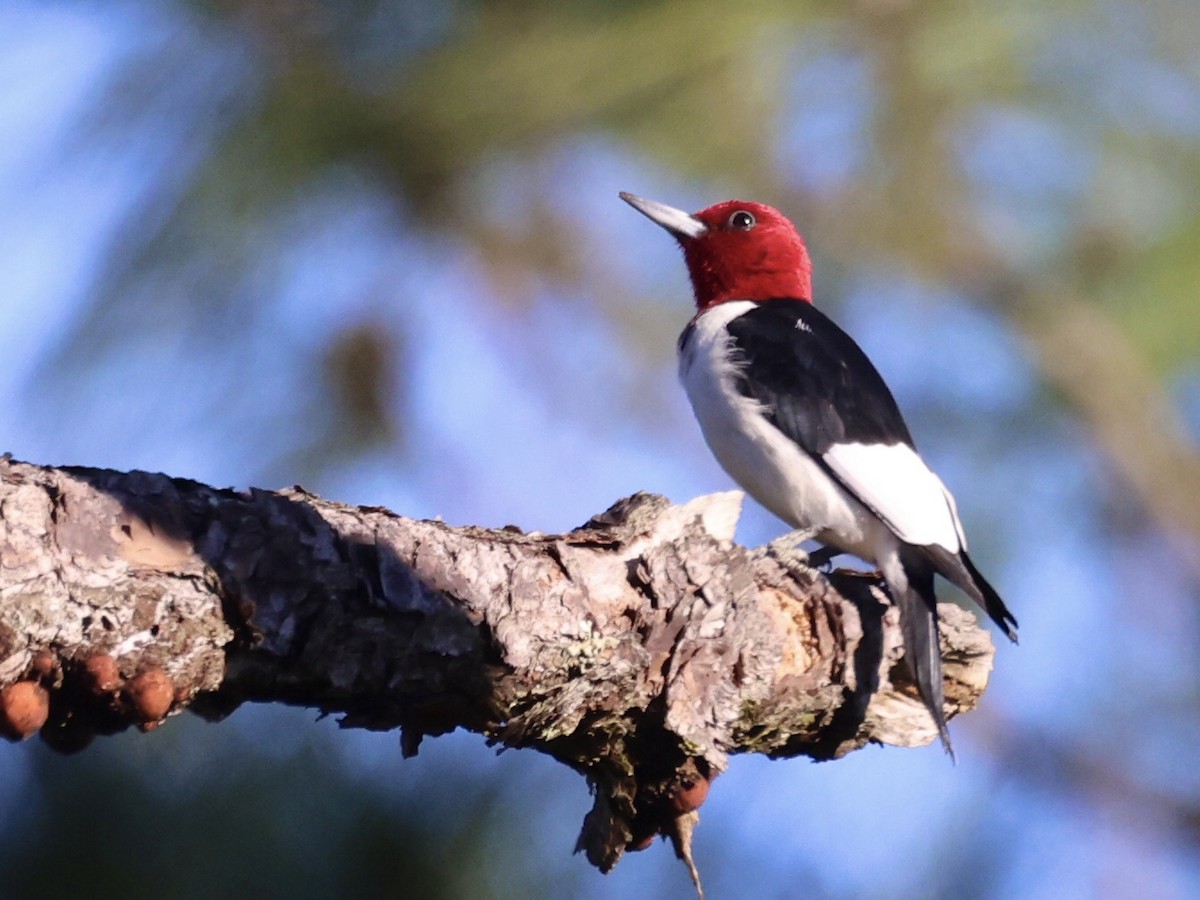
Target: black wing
column 817, row 385
column 819, row 389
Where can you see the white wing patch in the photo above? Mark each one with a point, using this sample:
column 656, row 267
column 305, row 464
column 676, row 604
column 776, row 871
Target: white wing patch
column 894, row 482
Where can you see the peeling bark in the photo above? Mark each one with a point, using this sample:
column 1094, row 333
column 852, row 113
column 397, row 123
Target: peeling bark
column 641, row 649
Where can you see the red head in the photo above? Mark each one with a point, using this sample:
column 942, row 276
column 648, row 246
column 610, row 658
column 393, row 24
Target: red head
column 736, row 250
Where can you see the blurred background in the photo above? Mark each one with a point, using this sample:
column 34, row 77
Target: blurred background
column 375, row 248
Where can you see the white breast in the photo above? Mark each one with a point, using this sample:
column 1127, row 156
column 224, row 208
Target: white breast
column 765, row 462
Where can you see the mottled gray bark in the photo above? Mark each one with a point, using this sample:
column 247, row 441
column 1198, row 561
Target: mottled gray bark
column 641, row 649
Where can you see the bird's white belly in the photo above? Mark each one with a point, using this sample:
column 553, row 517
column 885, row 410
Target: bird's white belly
column 765, row 462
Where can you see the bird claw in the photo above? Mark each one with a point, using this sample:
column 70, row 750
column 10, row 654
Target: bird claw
column 787, row 546
column 822, row 558
column 787, row 550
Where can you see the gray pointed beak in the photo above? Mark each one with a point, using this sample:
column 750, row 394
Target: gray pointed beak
column 676, row 221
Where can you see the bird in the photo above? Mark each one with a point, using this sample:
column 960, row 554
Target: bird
column 796, row 413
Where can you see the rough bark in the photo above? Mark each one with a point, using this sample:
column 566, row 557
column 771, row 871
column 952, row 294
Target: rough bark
column 641, row 649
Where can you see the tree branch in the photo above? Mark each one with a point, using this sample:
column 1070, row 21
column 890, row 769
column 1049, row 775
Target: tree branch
column 641, row 649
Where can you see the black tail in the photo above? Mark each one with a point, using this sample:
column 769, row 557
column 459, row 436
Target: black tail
column 919, row 625
column 958, row 568
column 985, row 595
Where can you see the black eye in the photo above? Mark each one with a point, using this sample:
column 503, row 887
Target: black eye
column 742, row 220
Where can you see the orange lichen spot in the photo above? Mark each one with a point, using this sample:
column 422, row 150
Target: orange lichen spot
column 644, row 843
column 24, row 708
column 150, row 694
column 102, row 674
column 44, row 666
column 689, row 796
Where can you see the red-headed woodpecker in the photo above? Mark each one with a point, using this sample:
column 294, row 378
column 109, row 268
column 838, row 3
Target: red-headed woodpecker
column 796, row 413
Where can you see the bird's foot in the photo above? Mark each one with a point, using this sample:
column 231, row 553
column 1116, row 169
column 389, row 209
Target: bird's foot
column 786, row 549
column 822, row 558
column 789, row 544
